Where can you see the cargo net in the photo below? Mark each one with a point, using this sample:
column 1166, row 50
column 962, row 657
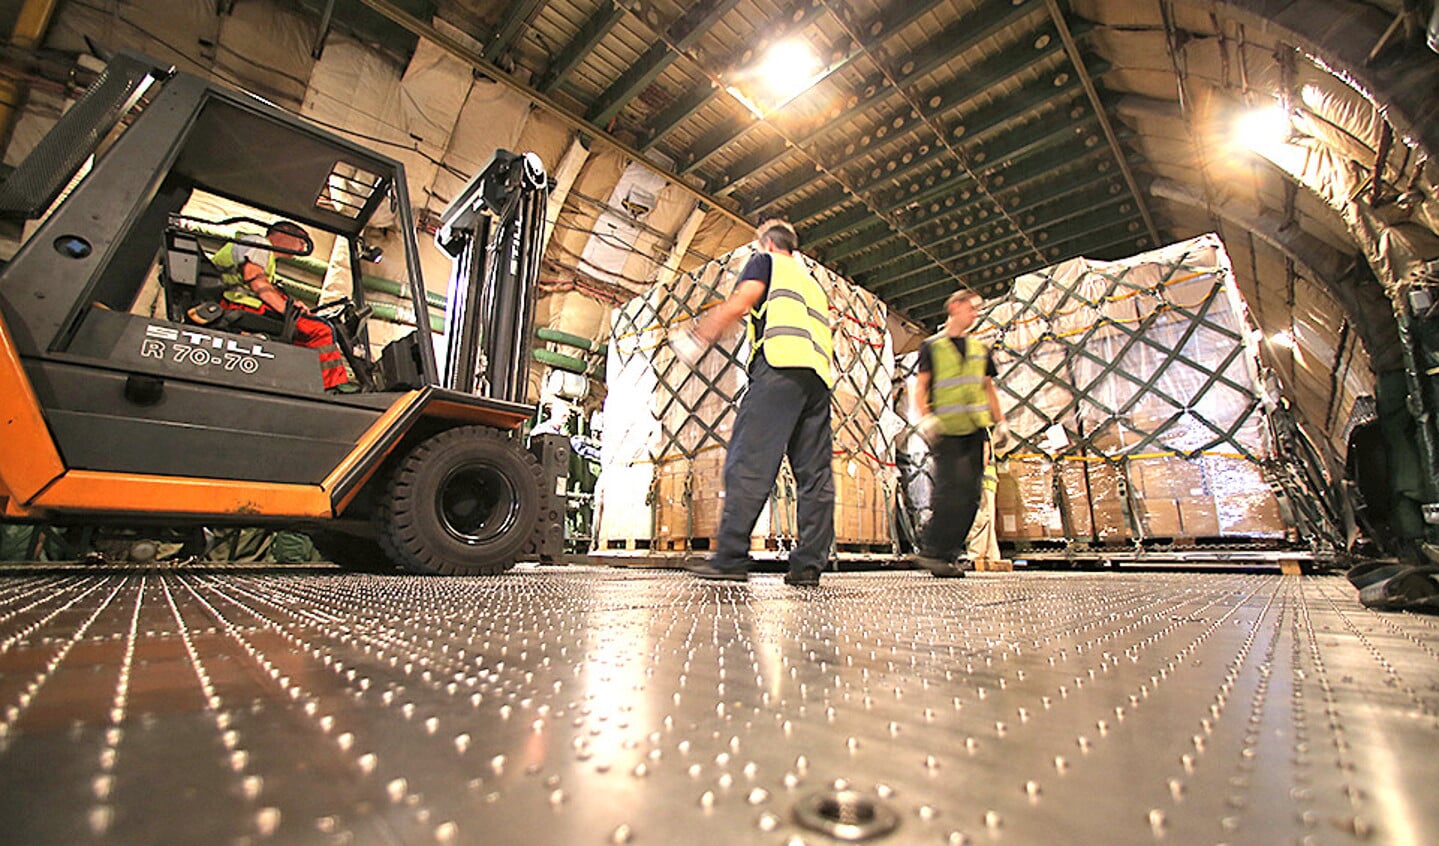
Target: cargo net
column 1132, row 388
column 667, row 425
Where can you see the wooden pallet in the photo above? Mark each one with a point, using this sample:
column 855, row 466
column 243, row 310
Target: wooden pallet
column 627, row 545
column 993, row 565
column 865, row 548
column 705, row 543
column 1035, row 544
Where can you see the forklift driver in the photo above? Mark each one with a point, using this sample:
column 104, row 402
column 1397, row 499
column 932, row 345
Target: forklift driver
column 249, row 276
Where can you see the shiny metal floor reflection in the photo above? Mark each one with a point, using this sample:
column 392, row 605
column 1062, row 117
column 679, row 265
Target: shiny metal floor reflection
column 578, row 705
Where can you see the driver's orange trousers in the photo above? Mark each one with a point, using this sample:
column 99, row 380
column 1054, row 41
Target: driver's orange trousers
column 312, row 334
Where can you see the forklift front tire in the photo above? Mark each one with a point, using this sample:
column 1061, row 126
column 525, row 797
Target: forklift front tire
column 463, row 502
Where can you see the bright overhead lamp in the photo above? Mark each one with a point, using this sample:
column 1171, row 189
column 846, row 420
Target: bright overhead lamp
column 1282, row 338
column 786, row 70
column 789, row 67
column 1264, row 129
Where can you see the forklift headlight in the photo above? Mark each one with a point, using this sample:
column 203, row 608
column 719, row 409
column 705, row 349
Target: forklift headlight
column 72, row 246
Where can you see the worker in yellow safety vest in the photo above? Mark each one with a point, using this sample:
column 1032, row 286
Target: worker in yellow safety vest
column 957, row 405
column 785, row 409
column 248, row 272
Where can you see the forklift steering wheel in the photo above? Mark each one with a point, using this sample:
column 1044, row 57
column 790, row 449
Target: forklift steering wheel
column 338, row 306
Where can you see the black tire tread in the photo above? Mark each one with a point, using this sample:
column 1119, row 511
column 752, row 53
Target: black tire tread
column 400, row 538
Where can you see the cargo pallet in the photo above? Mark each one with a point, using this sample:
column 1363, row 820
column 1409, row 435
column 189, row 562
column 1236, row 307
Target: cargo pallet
column 1233, row 552
column 1112, row 545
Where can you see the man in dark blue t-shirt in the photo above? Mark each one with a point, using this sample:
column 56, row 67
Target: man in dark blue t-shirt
column 785, row 410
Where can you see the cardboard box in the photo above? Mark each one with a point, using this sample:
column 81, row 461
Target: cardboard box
column 1109, row 522
column 1251, row 515
column 1027, row 525
column 1024, row 501
column 1199, row 517
column 1161, row 518
column 1230, row 477
column 1168, row 477
column 862, row 502
column 1074, row 486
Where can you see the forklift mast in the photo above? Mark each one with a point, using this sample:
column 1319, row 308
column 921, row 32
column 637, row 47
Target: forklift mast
column 493, row 233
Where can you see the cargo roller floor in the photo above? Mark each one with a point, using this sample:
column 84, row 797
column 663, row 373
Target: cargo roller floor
column 586, row 705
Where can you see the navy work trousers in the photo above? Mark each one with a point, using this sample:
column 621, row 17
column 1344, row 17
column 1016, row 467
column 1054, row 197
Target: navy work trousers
column 957, row 463
column 785, row 411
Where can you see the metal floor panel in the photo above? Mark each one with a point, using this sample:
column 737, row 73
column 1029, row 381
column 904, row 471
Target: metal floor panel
column 587, row 705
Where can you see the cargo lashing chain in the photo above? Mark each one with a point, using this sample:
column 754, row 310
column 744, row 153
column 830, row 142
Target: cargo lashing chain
column 1111, row 367
column 710, row 386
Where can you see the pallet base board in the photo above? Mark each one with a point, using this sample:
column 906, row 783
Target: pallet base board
column 993, row 565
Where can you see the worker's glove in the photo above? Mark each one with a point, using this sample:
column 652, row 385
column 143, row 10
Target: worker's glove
column 929, row 428
column 689, row 347
column 1000, row 437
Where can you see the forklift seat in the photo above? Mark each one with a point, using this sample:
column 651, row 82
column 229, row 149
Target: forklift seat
column 191, row 281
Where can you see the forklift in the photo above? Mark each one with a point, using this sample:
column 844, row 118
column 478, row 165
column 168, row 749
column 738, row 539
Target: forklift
column 112, row 416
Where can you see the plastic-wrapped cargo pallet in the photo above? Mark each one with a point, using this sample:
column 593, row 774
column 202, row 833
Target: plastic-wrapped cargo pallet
column 1134, row 390
column 667, row 426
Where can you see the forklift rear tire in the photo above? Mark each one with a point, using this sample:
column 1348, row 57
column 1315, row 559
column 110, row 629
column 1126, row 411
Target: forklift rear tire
column 462, row 503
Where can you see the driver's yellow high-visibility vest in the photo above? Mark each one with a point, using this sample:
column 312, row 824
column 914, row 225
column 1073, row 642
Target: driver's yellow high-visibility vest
column 237, row 290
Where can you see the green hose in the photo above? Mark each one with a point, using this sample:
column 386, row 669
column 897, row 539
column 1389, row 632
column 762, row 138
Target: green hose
column 555, row 336
column 309, row 295
column 379, row 284
column 560, row 361
column 386, row 311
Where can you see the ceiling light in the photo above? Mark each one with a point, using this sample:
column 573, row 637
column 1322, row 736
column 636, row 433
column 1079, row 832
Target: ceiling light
column 1283, row 339
column 1264, row 129
column 789, row 67
column 785, row 71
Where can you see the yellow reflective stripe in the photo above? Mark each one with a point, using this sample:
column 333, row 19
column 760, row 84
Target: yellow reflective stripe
column 818, row 316
column 786, row 332
column 956, row 381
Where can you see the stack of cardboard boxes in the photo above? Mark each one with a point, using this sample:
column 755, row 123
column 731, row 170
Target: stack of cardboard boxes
column 1028, row 506
column 862, row 504
column 1169, row 497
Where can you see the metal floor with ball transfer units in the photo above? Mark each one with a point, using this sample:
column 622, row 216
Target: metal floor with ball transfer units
column 610, row 706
